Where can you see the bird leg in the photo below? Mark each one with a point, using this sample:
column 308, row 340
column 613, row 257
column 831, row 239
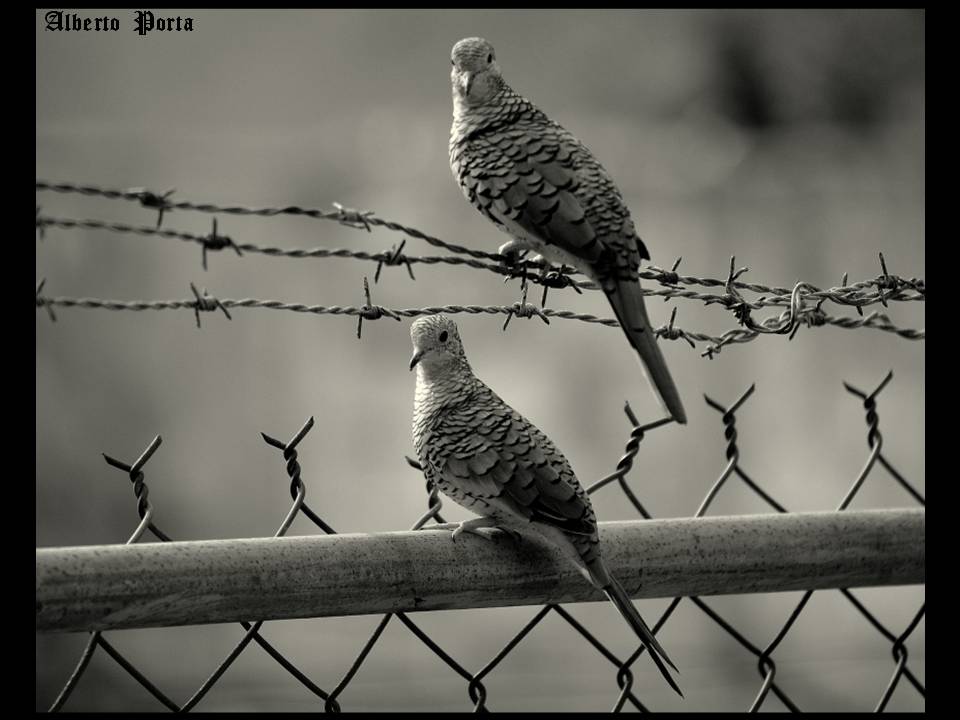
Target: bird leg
column 474, row 525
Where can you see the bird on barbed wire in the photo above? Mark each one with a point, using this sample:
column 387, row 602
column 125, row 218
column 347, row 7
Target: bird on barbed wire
column 485, row 456
column 540, row 185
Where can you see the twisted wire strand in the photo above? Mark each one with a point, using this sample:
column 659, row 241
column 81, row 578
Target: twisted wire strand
column 859, row 294
column 809, row 316
column 364, row 220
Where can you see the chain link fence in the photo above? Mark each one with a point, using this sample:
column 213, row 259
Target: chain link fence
column 800, row 305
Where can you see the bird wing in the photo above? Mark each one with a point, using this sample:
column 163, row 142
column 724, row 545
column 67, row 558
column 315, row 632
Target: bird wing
column 507, row 462
column 553, row 188
column 515, row 177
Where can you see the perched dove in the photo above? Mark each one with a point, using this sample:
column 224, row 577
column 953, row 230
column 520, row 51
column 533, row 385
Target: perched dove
column 540, row 185
column 488, row 458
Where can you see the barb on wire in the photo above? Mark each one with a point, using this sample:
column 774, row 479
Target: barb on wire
column 670, row 277
column 394, row 257
column 213, row 241
column 559, row 277
column 669, row 332
column 159, row 202
column 369, row 311
column 843, row 283
column 206, row 303
column 521, row 308
column 45, row 302
column 353, row 218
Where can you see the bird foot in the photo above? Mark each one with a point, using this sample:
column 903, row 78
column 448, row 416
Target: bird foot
column 476, row 525
column 512, row 252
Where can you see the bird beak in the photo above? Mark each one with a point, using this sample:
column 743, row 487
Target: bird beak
column 417, row 355
column 466, row 83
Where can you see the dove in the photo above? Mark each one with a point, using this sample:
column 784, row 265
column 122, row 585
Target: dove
column 539, row 184
column 485, row 456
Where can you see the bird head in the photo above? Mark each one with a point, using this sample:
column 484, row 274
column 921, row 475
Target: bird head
column 475, row 75
column 436, row 343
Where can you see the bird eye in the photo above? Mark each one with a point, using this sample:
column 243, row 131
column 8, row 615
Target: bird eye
column 452, row 62
column 489, row 58
column 443, row 336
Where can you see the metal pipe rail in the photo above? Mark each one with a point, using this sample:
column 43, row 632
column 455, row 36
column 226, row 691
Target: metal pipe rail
column 106, row 587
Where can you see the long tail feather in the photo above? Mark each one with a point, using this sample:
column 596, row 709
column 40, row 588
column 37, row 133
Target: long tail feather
column 627, row 301
column 618, row 596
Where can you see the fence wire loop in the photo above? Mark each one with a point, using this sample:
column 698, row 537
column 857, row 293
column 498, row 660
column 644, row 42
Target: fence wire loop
column 477, row 693
column 874, row 439
column 290, row 454
column 136, row 475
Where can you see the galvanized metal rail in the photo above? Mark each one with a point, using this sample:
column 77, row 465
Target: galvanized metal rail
column 214, row 581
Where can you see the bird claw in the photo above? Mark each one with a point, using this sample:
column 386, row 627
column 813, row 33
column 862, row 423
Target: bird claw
column 512, row 254
column 476, row 526
column 514, row 535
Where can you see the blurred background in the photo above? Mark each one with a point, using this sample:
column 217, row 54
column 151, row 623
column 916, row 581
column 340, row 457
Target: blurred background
column 792, row 140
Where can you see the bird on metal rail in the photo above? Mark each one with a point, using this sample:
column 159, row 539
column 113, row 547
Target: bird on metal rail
column 488, row 458
column 544, row 188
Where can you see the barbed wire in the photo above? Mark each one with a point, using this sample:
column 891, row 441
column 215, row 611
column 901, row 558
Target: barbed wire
column 476, row 690
column 889, row 285
column 361, row 220
column 788, row 321
column 883, row 289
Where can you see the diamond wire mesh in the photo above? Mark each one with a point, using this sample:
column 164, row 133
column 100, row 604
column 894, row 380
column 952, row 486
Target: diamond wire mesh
column 476, row 690
column 884, row 288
